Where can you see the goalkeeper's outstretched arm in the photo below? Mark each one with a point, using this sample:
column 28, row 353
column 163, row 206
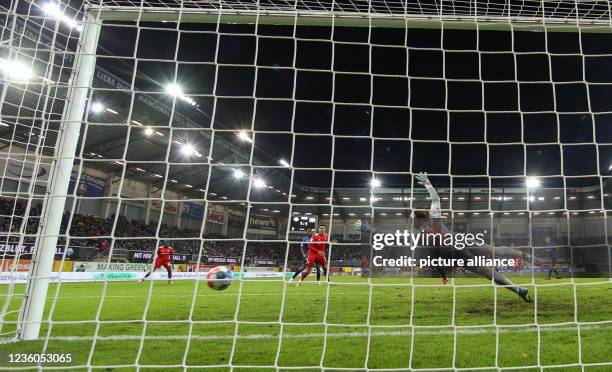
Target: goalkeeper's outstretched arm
column 435, row 209
column 364, row 226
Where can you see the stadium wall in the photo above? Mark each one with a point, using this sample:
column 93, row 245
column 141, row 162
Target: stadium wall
column 20, row 277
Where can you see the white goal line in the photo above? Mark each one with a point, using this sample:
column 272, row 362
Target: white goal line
column 468, row 331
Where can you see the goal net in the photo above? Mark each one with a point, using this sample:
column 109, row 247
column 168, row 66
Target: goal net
column 229, row 130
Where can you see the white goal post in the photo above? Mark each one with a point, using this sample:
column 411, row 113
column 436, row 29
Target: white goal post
column 53, row 208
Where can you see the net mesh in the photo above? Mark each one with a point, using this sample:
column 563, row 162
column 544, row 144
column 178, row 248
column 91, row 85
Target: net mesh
column 229, row 139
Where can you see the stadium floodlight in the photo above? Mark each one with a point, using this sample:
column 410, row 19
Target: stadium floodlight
column 148, row 131
column 97, row 107
column 238, row 174
column 243, row 135
column 188, row 149
column 375, row 182
column 175, row 90
column 259, row 183
column 283, row 162
column 53, row 10
column 532, row 182
column 16, row 70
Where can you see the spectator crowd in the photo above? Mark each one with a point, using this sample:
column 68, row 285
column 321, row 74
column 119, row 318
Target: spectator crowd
column 93, row 231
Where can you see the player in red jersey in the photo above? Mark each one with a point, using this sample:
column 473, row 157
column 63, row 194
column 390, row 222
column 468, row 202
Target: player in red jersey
column 518, row 265
column 164, row 254
column 316, row 253
column 518, row 262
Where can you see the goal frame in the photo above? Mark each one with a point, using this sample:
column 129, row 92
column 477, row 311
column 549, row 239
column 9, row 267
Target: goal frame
column 302, row 17
column 30, row 317
column 31, row 313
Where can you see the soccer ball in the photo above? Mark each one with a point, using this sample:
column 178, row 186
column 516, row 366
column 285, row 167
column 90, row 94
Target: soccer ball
column 219, row 278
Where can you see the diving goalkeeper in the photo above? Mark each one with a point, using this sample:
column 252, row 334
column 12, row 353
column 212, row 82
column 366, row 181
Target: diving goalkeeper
column 433, row 224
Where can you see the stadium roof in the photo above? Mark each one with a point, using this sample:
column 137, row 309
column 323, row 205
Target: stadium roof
column 107, row 144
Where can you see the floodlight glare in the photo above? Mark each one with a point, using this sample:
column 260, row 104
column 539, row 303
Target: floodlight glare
column 97, row 107
column 53, row 10
column 187, row 149
column 238, row 174
column 244, row 136
column 174, row 90
column 15, row 70
column 259, row 183
column 532, row 182
column 148, row 131
column 375, row 183
column 283, row 162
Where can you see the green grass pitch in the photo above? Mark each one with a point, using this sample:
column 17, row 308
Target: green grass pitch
column 348, row 325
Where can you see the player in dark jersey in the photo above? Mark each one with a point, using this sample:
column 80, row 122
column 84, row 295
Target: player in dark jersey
column 164, row 255
column 304, row 248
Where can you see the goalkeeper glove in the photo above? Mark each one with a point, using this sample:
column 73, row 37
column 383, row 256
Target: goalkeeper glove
column 422, row 179
column 358, row 225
